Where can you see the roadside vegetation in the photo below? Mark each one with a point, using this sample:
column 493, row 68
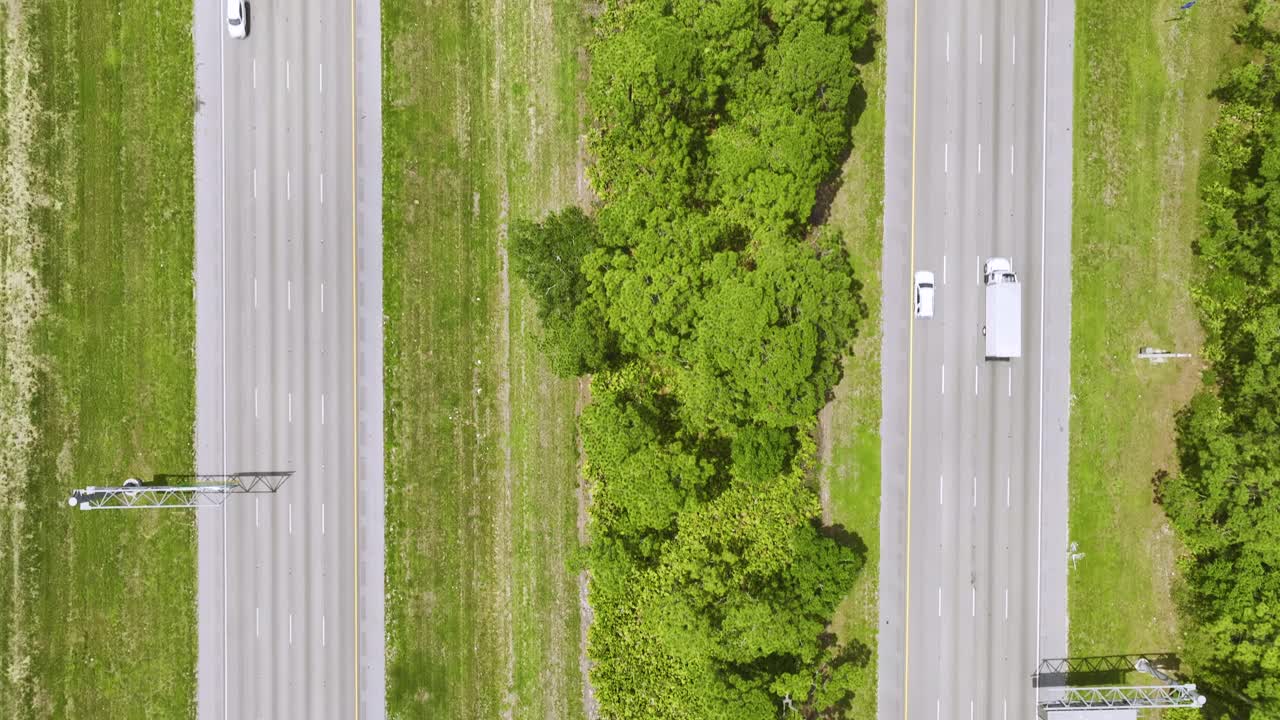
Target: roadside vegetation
column 714, row 313
column 1224, row 502
column 482, row 122
column 850, row 424
column 96, row 366
column 1143, row 78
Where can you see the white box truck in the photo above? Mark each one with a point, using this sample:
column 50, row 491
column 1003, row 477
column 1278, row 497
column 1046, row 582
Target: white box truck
column 1003, row 330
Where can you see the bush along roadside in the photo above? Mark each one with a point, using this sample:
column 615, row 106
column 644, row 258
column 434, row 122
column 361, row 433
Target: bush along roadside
column 1225, row 501
column 713, row 315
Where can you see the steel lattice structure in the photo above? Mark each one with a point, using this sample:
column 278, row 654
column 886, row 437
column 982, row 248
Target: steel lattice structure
column 1133, row 696
column 1054, row 676
column 178, row 491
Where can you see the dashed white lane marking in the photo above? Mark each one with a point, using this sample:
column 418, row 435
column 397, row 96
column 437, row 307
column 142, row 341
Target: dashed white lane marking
column 321, row 188
column 255, row 183
column 257, row 624
column 1010, row 158
column 975, row 379
column 938, row 708
column 255, row 292
column 288, row 184
column 948, row 46
column 1006, row 603
column 975, row 491
column 255, row 402
column 324, row 637
column 290, row 518
column 290, row 628
column 977, row 269
column 944, row 379
column 979, row 158
column 1010, row 381
column 321, row 78
column 940, row 486
column 944, row 269
column 255, row 73
column 939, row 601
column 255, row 512
column 1015, row 49
column 321, row 408
column 322, row 297
column 946, row 158
column 970, row 710
column 1005, row 702
column 290, row 407
column 979, row 48
column 288, row 294
column 1007, row 483
column 321, row 518
column 287, row 84
column 973, row 602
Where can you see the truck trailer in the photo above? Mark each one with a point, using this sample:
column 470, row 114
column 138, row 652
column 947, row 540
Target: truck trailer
column 1003, row 331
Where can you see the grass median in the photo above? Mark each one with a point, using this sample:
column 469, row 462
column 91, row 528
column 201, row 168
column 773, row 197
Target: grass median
column 482, row 119
column 97, row 609
column 851, row 422
column 1143, row 77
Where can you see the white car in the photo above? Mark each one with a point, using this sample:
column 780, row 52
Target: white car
column 924, row 294
column 237, row 19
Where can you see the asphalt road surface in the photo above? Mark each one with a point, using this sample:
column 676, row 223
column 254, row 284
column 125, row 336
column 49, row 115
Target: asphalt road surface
column 290, row 585
column 978, row 153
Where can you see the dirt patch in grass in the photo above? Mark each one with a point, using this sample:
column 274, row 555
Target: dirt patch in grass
column 1142, row 112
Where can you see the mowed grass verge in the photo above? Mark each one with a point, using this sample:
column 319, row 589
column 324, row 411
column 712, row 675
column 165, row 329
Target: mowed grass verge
column 1142, row 112
column 97, row 609
column 482, row 121
column 851, row 422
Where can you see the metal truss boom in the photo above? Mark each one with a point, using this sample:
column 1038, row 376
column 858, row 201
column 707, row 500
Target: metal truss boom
column 178, row 491
column 1135, row 696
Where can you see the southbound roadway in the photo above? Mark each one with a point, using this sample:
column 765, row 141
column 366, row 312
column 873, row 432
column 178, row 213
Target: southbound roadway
column 289, row 359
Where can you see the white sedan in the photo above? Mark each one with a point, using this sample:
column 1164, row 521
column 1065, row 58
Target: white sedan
column 924, row 294
column 237, row 19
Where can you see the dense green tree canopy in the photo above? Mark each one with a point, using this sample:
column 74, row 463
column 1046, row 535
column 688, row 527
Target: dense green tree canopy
column 714, row 318
column 1225, row 502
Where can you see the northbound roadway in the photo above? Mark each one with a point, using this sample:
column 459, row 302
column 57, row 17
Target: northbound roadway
column 977, row 164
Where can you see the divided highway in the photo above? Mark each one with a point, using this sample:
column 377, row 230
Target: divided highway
column 974, row 451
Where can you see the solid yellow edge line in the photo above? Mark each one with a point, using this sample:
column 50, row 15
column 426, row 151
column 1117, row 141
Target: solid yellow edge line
column 355, row 376
column 911, row 342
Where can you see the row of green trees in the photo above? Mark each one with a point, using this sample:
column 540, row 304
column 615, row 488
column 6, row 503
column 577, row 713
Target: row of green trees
column 713, row 317
column 1225, row 502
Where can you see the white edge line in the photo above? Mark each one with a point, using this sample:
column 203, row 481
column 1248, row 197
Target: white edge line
column 1044, row 159
column 222, row 227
